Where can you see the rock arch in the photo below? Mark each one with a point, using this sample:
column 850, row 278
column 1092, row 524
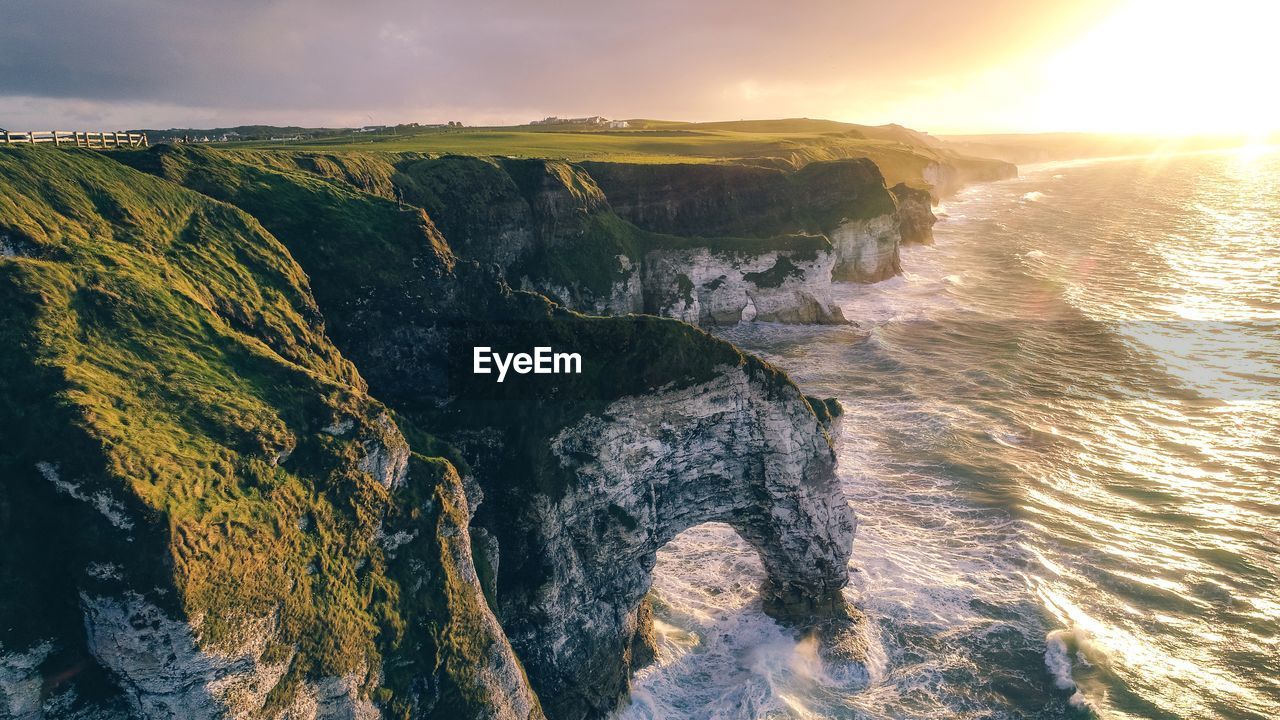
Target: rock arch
column 743, row 449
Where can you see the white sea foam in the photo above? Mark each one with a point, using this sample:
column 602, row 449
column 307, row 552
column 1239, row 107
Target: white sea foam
column 1033, row 196
column 1057, row 658
column 1064, row 651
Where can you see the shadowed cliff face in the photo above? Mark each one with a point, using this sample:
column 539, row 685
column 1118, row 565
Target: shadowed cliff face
column 915, row 214
column 550, row 229
column 844, row 200
column 740, row 200
column 575, row 480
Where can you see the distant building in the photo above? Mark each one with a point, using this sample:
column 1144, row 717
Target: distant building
column 371, row 128
column 618, row 124
column 553, row 120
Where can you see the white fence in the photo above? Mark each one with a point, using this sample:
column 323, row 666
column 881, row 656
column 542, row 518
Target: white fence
column 77, row 138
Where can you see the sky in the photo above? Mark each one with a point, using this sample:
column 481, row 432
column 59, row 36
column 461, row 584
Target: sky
column 1163, row 66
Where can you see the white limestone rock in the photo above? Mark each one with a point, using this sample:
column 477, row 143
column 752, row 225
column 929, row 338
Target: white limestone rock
column 386, row 454
column 744, row 449
column 715, row 288
column 867, row 249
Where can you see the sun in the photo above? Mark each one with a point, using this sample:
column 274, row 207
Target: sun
column 1169, row 68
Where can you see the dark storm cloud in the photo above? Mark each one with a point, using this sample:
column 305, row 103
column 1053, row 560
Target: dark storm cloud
column 323, row 59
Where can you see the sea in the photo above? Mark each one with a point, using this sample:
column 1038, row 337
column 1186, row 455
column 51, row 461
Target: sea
column 1062, row 442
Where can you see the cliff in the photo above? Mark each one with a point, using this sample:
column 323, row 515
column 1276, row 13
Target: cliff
column 551, row 229
column 249, row 472
column 845, row 201
column 203, row 506
column 915, row 214
column 711, row 244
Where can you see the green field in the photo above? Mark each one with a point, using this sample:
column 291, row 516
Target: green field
column 901, row 153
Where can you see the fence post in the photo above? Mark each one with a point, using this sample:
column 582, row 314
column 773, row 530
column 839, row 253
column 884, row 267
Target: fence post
column 7, row 141
column 55, row 138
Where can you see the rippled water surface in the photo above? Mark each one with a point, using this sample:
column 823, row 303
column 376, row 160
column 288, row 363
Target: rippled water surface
column 1063, row 443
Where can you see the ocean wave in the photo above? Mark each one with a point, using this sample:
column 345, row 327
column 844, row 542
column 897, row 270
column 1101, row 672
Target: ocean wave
column 1013, row 436
column 1063, row 653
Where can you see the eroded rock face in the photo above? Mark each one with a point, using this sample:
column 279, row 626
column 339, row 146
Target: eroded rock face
column 552, row 230
column 161, row 670
column 844, row 200
column 737, row 449
column 386, row 454
column 915, row 214
column 867, row 249
column 710, row 288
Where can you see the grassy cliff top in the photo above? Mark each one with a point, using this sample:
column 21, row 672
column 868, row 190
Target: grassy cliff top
column 901, row 153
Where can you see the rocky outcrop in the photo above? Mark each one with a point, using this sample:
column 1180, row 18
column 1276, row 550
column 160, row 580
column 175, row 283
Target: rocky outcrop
column 710, row 288
column 763, row 465
column 915, row 214
column 250, row 473
column 242, row 530
column 867, row 249
column 552, row 230
column 161, row 671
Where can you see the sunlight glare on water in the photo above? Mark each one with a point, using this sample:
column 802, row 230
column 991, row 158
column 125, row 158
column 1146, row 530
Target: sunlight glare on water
column 1061, row 440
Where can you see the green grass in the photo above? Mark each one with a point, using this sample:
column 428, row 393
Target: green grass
column 901, row 154
column 164, row 351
